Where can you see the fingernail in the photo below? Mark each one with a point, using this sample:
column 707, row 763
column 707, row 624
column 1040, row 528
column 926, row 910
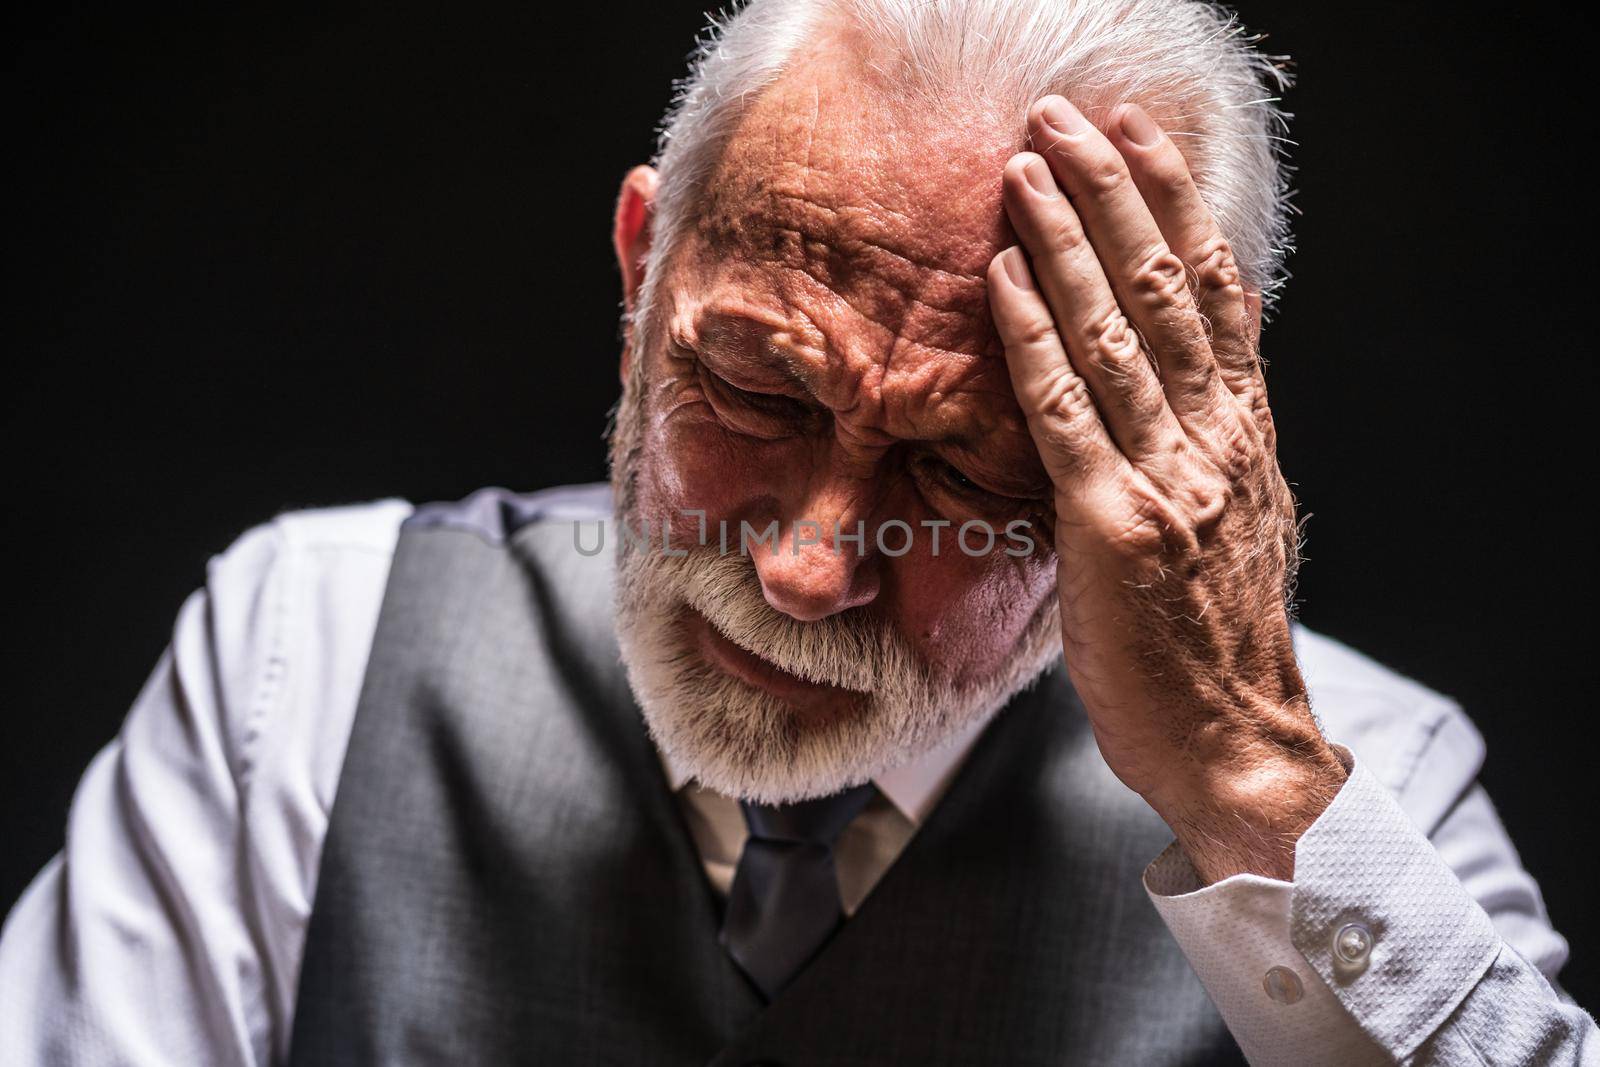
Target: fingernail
column 1139, row 127
column 1016, row 266
column 1063, row 117
column 1039, row 177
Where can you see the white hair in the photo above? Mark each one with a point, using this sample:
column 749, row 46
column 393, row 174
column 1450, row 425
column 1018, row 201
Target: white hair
column 1188, row 62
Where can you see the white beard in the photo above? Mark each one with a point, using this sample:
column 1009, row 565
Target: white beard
column 744, row 742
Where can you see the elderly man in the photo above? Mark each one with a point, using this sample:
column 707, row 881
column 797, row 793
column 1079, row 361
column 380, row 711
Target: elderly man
column 735, row 760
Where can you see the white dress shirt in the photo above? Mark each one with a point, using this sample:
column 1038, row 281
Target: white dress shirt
column 170, row 928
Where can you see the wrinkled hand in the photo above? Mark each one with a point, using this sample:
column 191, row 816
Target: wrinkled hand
column 1132, row 349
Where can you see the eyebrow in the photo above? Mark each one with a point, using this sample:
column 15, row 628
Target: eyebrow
column 734, row 352
column 963, row 441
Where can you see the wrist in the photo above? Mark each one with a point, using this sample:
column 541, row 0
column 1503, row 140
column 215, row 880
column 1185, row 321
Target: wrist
column 1242, row 807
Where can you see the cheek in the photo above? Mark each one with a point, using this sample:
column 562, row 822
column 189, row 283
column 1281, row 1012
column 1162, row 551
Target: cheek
column 966, row 615
column 690, row 463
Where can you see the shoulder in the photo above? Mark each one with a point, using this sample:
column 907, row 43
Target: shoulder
column 270, row 567
column 259, row 552
column 1418, row 742
column 291, row 606
column 320, row 542
column 288, row 612
column 496, row 515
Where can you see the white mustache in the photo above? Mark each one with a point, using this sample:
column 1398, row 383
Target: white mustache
column 850, row 650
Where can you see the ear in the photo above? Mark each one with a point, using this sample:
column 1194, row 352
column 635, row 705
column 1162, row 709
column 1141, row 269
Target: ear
column 630, row 236
column 1252, row 307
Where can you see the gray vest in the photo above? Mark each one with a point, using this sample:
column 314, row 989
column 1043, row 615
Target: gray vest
column 507, row 878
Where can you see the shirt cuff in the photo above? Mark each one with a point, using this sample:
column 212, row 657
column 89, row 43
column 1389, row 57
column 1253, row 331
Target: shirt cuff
column 1362, row 957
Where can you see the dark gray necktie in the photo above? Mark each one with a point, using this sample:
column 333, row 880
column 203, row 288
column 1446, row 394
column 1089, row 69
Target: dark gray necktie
column 784, row 903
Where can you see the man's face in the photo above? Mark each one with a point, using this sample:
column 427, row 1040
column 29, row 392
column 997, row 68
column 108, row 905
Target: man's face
column 823, row 355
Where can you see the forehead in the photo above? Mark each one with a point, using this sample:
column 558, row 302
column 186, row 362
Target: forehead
column 856, row 228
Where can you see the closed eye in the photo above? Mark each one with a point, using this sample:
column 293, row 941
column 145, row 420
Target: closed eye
column 942, row 477
column 955, row 479
column 948, row 475
column 768, row 403
column 764, row 415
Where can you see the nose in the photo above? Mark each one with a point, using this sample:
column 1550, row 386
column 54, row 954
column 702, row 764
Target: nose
column 818, row 566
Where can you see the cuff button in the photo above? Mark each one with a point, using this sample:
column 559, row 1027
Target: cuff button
column 1283, row 985
column 1352, row 944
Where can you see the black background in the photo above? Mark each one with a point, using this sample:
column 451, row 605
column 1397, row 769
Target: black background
column 269, row 259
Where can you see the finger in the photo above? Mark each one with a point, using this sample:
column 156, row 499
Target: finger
column 1072, row 441
column 1149, row 279
column 1162, row 176
column 1098, row 339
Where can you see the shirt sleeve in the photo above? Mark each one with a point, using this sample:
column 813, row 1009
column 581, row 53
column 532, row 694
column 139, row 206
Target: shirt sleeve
column 169, row 928
column 1386, row 947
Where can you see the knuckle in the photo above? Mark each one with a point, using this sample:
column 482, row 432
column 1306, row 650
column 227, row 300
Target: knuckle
column 1236, row 452
column 1242, row 369
column 1210, row 501
column 1251, row 392
column 1161, row 279
column 1139, row 540
column 1062, row 232
column 1064, row 398
column 1268, row 428
column 1146, row 530
column 1034, row 330
column 1113, row 344
column 1105, row 176
column 1215, row 266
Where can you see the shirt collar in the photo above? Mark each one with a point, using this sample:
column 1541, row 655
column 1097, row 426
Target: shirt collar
column 913, row 788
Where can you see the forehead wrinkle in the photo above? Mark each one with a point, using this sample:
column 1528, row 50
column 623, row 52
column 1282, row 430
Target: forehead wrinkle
column 891, row 288
column 851, row 364
column 925, row 394
column 896, row 216
column 850, row 226
column 947, row 399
